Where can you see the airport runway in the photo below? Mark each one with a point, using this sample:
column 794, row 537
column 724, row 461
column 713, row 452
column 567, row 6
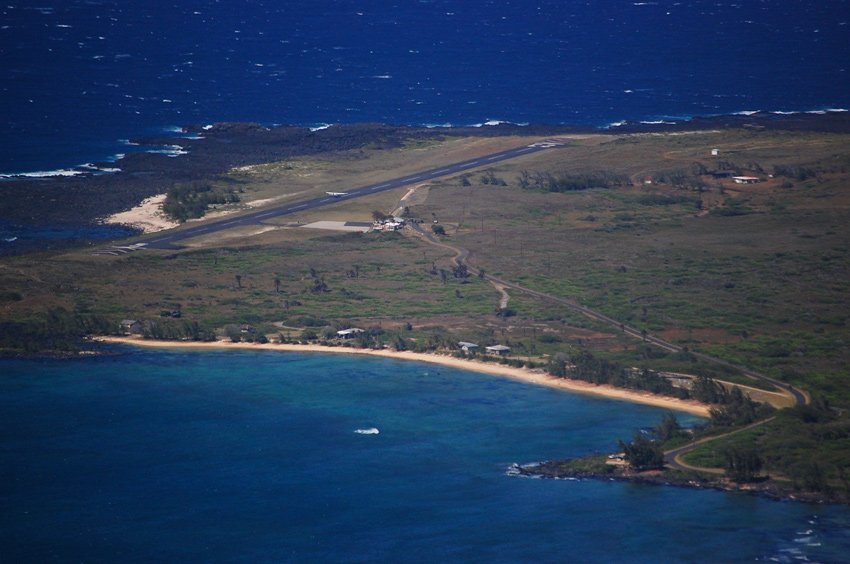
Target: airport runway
column 166, row 240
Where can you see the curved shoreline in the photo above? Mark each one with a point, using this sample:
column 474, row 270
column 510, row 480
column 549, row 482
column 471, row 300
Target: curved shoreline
column 524, row 375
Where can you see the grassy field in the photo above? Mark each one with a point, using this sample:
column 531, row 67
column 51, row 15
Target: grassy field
column 757, row 274
column 754, row 273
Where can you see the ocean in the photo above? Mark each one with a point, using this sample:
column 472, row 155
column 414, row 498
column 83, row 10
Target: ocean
column 283, row 457
column 178, row 456
column 82, row 77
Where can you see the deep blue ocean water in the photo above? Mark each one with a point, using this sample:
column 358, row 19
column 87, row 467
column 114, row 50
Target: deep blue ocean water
column 254, row 456
column 81, row 75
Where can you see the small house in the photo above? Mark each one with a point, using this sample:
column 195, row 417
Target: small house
column 746, row 179
column 131, row 327
column 715, row 152
column 250, row 329
column 498, row 349
column 349, row 333
column 466, row 347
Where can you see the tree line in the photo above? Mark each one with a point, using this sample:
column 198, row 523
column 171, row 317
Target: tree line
column 565, row 182
column 585, row 366
column 56, row 330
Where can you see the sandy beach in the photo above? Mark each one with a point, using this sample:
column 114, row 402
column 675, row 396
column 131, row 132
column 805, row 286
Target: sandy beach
column 147, row 216
column 525, row 375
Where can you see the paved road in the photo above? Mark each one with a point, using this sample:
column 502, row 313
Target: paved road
column 672, row 458
column 170, row 240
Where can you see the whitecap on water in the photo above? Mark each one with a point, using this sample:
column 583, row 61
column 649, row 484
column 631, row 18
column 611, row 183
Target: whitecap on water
column 44, row 173
column 369, row 431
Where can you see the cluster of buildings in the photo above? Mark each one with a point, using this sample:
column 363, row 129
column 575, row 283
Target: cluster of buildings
column 492, row 349
column 391, row 223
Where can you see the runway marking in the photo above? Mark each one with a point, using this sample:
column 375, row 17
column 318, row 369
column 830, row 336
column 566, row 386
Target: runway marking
column 266, row 214
column 299, row 207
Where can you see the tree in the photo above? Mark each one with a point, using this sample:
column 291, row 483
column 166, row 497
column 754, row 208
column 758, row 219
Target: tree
column 811, row 477
column 438, row 229
column 707, row 390
column 558, row 365
column 399, row 343
column 319, row 286
column 668, row 427
column 378, row 215
column 739, row 409
column 523, row 179
column 643, row 453
column 233, row 333
column 276, row 285
column 742, row 462
column 238, row 280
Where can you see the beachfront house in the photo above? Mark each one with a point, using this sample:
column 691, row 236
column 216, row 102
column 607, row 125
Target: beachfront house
column 498, row 349
column 131, row 327
column 349, row 333
column 467, row 347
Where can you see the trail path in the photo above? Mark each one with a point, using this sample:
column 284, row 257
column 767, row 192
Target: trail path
column 672, row 457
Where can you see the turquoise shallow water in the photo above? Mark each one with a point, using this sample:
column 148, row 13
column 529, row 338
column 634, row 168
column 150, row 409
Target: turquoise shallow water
column 253, row 456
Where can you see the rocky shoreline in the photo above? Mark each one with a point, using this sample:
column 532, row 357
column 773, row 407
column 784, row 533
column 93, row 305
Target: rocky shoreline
column 213, row 150
column 566, row 470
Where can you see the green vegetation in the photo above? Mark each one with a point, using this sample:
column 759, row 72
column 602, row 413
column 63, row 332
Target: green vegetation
column 57, row 330
column 585, row 366
column 566, row 182
column 757, row 275
column 807, row 447
column 192, row 199
column 643, row 453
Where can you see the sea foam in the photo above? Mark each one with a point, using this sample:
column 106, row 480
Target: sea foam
column 45, row 173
